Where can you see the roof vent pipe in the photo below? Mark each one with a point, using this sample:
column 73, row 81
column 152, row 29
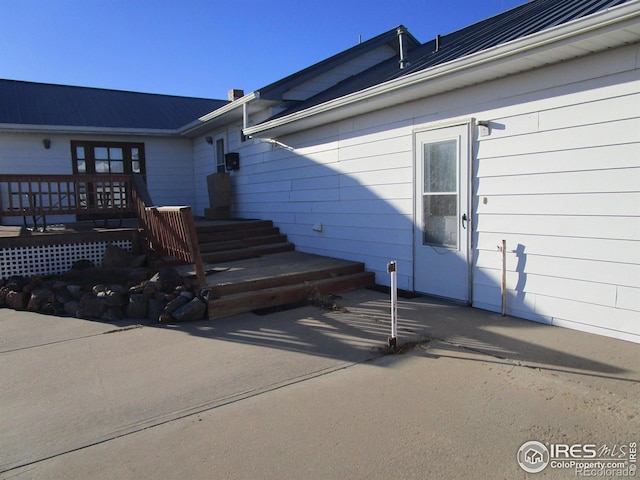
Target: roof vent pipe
column 438, row 39
column 401, row 43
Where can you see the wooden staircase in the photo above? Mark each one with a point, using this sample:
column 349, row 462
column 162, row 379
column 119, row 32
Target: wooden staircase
column 251, row 266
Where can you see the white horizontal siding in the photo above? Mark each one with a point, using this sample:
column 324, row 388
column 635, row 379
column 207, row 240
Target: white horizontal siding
column 558, row 178
column 561, row 184
column 528, row 222
column 22, row 153
column 520, row 265
column 616, row 251
column 570, row 204
column 573, row 138
column 359, row 187
column 170, row 171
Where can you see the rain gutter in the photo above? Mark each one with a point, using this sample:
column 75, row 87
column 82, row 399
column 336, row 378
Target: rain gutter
column 210, row 117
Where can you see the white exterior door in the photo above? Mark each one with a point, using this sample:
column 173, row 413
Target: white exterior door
column 442, row 213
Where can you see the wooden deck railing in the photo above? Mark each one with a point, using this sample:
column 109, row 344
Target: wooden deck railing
column 170, row 231
column 39, row 196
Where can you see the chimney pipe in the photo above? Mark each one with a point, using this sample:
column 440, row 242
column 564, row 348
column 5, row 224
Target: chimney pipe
column 401, row 43
column 235, row 94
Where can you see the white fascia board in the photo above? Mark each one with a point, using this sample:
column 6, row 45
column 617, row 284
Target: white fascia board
column 80, row 130
column 225, row 109
column 475, row 67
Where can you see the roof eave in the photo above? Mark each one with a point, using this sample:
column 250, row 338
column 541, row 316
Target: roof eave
column 225, row 114
column 88, row 130
column 469, row 70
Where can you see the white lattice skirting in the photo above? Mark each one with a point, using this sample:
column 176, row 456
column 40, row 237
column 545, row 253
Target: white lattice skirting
column 53, row 259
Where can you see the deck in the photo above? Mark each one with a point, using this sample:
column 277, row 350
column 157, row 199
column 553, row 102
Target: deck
column 249, row 264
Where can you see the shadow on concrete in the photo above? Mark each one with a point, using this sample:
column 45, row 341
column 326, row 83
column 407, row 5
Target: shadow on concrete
column 357, row 328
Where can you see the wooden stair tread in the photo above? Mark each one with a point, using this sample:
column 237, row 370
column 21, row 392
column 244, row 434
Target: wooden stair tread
column 247, row 252
column 271, row 297
column 244, row 242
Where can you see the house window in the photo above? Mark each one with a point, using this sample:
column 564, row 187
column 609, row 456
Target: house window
column 220, row 166
column 107, row 157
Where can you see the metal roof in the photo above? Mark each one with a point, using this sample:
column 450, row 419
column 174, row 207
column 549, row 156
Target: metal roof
column 29, row 103
column 276, row 89
column 526, row 19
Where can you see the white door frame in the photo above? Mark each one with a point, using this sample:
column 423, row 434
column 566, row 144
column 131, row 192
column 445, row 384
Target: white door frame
column 465, row 183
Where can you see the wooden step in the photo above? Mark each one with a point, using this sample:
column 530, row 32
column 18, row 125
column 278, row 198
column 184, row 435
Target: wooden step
column 249, row 252
column 238, row 243
column 283, row 279
column 272, row 297
column 232, row 226
column 227, row 235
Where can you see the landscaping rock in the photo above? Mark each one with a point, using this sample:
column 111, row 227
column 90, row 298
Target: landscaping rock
column 16, row 283
column 112, row 314
column 107, row 294
column 168, row 278
column 194, row 310
column 117, row 257
column 115, row 299
column 16, row 300
column 91, row 306
column 71, row 308
column 155, row 307
column 40, row 296
column 175, row 304
column 186, row 294
column 3, row 295
column 137, row 306
column 150, row 288
column 82, row 265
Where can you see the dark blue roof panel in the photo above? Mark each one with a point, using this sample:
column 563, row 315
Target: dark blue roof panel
column 29, row 103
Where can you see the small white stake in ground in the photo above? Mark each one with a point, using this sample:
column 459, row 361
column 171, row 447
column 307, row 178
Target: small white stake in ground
column 391, row 268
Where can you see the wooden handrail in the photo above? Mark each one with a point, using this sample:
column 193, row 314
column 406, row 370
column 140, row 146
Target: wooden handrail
column 170, row 231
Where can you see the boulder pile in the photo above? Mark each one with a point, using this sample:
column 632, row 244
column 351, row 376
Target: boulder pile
column 112, row 292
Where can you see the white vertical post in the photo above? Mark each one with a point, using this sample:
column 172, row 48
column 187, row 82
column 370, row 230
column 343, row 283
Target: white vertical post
column 245, row 115
column 503, row 281
column 391, row 268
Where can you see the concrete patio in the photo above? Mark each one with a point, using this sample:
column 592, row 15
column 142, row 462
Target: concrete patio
column 307, row 393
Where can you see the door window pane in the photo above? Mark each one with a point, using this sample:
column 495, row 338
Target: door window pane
column 440, row 220
column 440, row 161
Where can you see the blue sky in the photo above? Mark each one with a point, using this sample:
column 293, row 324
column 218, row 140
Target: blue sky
column 204, row 48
